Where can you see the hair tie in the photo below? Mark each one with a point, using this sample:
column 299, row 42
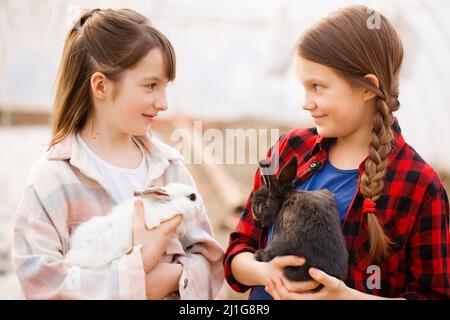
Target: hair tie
column 393, row 103
column 369, row 206
column 80, row 23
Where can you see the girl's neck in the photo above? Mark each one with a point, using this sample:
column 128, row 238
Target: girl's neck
column 348, row 152
column 111, row 145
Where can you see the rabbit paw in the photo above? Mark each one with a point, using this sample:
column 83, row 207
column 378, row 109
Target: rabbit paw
column 263, row 255
column 259, row 255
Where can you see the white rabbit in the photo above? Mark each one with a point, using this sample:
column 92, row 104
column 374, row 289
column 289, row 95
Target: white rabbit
column 100, row 240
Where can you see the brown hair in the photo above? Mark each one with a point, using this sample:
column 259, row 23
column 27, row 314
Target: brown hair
column 348, row 43
column 108, row 41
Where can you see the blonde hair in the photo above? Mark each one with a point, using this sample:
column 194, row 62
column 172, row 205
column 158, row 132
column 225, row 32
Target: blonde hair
column 108, row 41
column 344, row 42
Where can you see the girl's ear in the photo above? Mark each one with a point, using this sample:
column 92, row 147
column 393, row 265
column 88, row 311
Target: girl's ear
column 369, row 94
column 99, row 85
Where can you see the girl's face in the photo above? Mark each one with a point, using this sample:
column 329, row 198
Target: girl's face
column 140, row 96
column 337, row 108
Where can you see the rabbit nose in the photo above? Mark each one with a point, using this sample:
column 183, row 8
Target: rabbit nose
column 192, row 197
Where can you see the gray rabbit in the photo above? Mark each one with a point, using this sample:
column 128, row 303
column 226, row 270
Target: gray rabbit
column 306, row 224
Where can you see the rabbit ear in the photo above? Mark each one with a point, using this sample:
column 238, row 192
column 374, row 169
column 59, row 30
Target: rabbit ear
column 154, row 192
column 267, row 175
column 288, row 172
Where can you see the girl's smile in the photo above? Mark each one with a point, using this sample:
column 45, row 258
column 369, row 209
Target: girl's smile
column 318, row 118
column 149, row 117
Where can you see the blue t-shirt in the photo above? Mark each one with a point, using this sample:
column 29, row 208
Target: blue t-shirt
column 342, row 183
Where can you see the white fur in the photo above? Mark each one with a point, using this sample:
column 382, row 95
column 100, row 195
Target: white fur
column 100, row 240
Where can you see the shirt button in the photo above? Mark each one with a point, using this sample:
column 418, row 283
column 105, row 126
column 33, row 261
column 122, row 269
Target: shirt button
column 185, row 283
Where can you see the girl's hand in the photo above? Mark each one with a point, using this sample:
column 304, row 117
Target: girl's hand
column 251, row 272
column 273, row 272
column 334, row 289
column 155, row 241
column 163, row 280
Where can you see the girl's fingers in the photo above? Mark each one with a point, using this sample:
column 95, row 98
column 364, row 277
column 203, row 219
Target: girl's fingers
column 282, row 291
column 138, row 220
column 325, row 279
column 286, row 261
column 321, row 295
column 285, row 294
column 269, row 286
column 169, row 227
column 272, row 290
column 300, row 286
column 172, row 223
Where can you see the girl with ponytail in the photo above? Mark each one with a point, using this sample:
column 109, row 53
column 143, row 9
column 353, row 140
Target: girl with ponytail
column 111, row 84
column 394, row 208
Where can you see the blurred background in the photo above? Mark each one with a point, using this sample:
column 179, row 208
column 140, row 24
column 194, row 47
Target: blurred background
column 234, row 71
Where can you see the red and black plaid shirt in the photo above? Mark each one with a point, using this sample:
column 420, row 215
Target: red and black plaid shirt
column 413, row 209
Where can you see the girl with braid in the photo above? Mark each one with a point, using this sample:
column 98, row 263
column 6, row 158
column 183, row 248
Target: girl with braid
column 394, row 209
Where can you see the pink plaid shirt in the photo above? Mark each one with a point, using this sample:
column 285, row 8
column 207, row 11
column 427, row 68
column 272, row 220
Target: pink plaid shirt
column 63, row 190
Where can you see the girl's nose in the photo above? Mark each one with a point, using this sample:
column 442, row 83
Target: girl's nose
column 161, row 103
column 309, row 105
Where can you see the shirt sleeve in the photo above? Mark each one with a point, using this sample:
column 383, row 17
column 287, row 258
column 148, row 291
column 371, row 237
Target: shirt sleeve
column 244, row 238
column 429, row 248
column 38, row 258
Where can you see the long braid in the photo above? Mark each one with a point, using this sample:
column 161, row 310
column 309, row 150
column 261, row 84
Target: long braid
column 372, row 180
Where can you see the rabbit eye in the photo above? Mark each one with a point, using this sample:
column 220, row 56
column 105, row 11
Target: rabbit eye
column 192, row 197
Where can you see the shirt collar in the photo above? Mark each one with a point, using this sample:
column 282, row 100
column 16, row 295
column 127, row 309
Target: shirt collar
column 159, row 156
column 321, row 143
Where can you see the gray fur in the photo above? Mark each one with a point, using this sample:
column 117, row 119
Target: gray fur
column 306, row 224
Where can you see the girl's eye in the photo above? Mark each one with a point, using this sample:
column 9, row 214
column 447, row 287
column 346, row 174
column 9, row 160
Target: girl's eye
column 317, row 87
column 151, row 86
